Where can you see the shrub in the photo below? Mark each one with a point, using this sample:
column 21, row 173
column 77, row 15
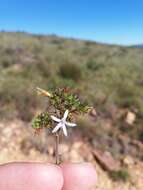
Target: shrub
column 12, row 92
column 56, row 41
column 121, row 175
column 127, row 94
column 84, row 50
column 44, row 69
column 92, row 65
column 9, row 51
column 25, row 105
column 141, row 136
column 6, row 61
column 55, row 81
column 70, row 71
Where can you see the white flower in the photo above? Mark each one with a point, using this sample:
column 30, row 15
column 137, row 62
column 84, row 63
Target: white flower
column 62, row 123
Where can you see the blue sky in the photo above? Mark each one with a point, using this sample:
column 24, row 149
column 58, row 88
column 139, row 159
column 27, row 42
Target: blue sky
column 109, row 21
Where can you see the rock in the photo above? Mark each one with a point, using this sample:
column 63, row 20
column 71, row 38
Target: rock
column 128, row 160
column 86, row 153
column 106, row 160
column 111, row 111
column 130, row 118
column 75, row 156
column 63, row 148
column 80, row 152
column 7, row 132
column 77, row 145
column 50, row 150
column 93, row 112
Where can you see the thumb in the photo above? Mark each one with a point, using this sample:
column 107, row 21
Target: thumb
column 79, row 176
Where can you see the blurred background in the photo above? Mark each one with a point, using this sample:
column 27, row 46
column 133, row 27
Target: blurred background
column 95, row 48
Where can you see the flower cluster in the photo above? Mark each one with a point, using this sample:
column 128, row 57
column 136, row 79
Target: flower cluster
column 62, row 104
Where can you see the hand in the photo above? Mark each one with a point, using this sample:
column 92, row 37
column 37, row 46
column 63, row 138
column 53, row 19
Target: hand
column 78, row 176
column 40, row 176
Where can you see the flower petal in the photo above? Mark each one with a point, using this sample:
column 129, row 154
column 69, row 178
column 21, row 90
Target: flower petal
column 70, row 124
column 66, row 114
column 58, row 126
column 55, row 118
column 64, row 130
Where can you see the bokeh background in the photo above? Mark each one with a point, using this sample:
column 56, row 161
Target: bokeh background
column 94, row 48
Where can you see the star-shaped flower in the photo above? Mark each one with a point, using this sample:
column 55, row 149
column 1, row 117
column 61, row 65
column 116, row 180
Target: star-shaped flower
column 62, row 123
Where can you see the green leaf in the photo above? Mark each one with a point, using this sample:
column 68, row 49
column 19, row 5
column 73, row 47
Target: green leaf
column 41, row 121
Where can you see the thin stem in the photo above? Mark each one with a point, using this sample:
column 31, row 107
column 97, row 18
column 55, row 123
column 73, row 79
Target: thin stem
column 57, row 148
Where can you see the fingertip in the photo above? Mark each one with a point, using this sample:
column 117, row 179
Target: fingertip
column 50, row 176
column 90, row 169
column 79, row 176
column 33, row 176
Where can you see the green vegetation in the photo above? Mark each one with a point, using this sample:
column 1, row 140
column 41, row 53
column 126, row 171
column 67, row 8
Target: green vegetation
column 60, row 100
column 42, row 120
column 70, row 71
column 121, row 175
column 92, row 65
column 106, row 76
column 141, row 136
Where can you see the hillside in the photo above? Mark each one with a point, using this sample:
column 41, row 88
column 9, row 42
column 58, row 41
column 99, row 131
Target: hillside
column 108, row 77
column 138, row 46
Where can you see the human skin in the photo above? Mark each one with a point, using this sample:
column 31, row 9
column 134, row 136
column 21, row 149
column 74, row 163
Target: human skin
column 79, row 176
column 41, row 176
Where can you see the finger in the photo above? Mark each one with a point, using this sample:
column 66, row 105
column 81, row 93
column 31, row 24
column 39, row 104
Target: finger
column 79, row 176
column 33, row 176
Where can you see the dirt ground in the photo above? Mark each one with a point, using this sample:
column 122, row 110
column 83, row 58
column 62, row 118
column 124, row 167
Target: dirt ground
column 18, row 143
